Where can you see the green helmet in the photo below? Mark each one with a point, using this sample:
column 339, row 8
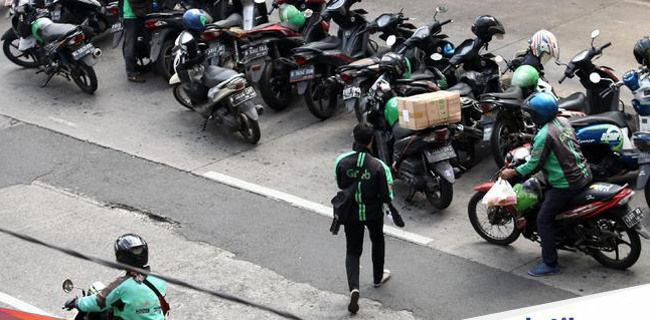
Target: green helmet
column 525, row 77
column 38, row 25
column 390, row 111
column 289, row 13
column 528, row 194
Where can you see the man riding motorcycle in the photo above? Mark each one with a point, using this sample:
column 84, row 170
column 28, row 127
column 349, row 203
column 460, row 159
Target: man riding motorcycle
column 133, row 296
column 567, row 177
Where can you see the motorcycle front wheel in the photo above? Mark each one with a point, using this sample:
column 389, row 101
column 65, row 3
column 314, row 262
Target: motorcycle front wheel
column 440, row 197
column 320, row 98
column 494, row 224
column 249, row 129
column 84, row 76
column 23, row 59
column 621, row 246
column 275, row 88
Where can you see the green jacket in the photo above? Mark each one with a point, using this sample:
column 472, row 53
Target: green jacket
column 556, row 152
column 129, row 297
column 127, row 12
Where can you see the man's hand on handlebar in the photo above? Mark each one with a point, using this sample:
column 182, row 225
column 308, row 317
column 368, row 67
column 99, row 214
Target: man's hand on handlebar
column 508, row 174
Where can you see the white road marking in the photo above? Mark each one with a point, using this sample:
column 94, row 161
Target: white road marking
column 305, row 204
column 21, row 305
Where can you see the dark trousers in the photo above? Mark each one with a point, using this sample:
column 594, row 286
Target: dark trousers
column 354, row 246
column 133, row 28
column 555, row 201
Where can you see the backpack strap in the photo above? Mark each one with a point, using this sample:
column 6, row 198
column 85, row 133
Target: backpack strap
column 163, row 303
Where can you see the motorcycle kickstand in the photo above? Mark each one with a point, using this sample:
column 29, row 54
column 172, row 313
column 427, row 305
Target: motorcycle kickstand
column 205, row 123
column 47, row 80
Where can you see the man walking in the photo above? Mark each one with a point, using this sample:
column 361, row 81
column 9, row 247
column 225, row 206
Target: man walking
column 374, row 189
column 133, row 13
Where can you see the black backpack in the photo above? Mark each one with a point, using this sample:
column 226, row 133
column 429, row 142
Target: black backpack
column 343, row 202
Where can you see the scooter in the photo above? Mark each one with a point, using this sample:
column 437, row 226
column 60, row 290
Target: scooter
column 216, row 93
column 98, row 16
column 95, row 288
column 599, row 221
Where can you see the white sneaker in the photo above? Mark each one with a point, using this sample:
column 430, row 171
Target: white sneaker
column 353, row 306
column 385, row 277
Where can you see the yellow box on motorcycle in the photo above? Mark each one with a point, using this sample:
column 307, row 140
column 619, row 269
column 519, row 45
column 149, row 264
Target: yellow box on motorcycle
column 428, row 110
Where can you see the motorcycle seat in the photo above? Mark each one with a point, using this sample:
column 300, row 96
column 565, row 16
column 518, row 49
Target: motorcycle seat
column 574, row 102
column 595, row 192
column 55, row 31
column 417, row 77
column 233, row 20
column 616, row 118
column 400, row 133
column 166, row 14
column 462, row 88
column 513, row 93
column 328, row 43
column 213, row 75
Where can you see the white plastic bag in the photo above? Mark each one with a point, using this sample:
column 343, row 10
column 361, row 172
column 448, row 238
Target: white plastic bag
column 501, row 194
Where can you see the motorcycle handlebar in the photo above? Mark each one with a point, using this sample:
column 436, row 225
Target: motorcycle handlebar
column 605, row 46
column 562, row 80
column 446, row 22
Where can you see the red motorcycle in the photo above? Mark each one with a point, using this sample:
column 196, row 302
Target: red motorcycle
column 599, row 222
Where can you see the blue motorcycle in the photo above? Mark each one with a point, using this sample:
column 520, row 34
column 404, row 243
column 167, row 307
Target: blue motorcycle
column 611, row 142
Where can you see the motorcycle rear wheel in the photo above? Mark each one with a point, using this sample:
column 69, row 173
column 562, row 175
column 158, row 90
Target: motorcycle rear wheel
column 250, row 129
column 472, row 210
column 441, row 198
column 24, row 59
column 275, row 89
column 319, row 96
column 165, row 62
column 84, row 77
column 616, row 224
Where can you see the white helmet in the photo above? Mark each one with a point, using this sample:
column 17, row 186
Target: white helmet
column 543, row 45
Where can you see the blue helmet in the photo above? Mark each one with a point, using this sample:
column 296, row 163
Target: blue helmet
column 448, row 50
column 196, row 19
column 542, row 107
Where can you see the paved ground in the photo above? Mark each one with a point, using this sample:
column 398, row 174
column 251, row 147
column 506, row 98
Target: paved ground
column 296, row 151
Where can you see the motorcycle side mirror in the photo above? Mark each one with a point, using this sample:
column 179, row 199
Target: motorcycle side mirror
column 308, row 13
column 498, row 59
column 442, row 8
column 67, row 286
column 390, row 41
column 594, row 35
column 595, row 77
column 436, row 57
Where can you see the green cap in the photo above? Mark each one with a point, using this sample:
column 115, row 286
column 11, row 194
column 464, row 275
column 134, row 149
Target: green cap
column 525, row 77
column 390, row 111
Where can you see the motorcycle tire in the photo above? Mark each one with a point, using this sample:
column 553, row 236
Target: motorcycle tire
column 319, row 97
column 497, row 142
column 275, row 89
column 476, row 224
column 443, row 200
column 165, row 62
column 182, row 97
column 11, row 43
column 250, row 129
column 84, row 77
column 634, row 244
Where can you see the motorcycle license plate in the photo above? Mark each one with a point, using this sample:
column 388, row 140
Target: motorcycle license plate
column 242, row 96
column 117, row 27
column 256, row 52
column 302, row 74
column 214, row 51
column 56, row 15
column 632, row 218
column 644, row 158
column 351, row 92
column 83, row 51
column 440, row 154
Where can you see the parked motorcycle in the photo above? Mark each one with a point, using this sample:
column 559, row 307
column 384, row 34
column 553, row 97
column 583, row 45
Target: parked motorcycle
column 218, row 94
column 318, row 60
column 599, row 222
column 95, row 288
column 18, row 43
column 97, row 15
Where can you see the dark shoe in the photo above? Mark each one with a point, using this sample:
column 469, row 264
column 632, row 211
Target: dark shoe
column 138, row 79
column 542, row 269
column 353, row 306
column 385, row 277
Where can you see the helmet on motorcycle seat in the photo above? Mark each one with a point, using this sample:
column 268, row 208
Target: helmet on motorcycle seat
column 132, row 250
column 290, row 14
column 525, row 77
column 390, row 111
column 543, row 45
column 542, row 107
column 486, row 26
column 396, row 64
column 196, row 19
column 642, row 51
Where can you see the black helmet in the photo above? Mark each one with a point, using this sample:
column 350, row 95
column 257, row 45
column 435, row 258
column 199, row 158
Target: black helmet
column 394, row 63
column 132, row 250
column 642, row 51
column 487, row 26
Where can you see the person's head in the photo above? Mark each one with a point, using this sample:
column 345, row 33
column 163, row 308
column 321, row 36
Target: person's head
column 542, row 107
column 544, row 45
column 642, row 51
column 362, row 135
column 132, row 250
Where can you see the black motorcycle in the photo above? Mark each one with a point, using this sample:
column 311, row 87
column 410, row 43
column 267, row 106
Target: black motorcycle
column 97, row 15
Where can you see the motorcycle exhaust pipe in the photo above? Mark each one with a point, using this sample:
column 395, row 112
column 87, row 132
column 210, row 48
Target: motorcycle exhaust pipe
column 97, row 52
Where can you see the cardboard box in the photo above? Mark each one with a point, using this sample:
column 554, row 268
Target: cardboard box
column 429, row 109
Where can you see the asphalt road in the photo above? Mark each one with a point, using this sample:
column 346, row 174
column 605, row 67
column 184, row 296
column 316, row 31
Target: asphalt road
column 296, row 154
